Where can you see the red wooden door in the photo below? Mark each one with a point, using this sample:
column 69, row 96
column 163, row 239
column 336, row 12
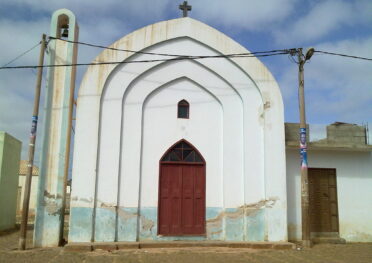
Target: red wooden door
column 182, row 193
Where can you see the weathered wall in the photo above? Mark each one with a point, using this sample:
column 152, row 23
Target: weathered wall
column 10, row 153
column 346, row 134
column 292, row 132
column 354, row 184
column 337, row 134
column 126, row 120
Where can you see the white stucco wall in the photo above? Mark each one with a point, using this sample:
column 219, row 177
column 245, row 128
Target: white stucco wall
column 126, row 120
column 354, row 184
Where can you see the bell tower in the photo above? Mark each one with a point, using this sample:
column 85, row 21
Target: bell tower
column 56, row 135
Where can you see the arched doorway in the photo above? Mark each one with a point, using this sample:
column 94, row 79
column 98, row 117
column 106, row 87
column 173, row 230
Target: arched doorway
column 181, row 191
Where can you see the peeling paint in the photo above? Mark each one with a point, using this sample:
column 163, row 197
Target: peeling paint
column 221, row 224
column 107, row 205
column 86, row 200
column 246, row 210
column 147, row 224
column 267, row 105
column 126, row 215
column 53, row 208
column 54, row 196
column 230, row 222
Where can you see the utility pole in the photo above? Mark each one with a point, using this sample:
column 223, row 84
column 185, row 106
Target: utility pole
column 305, row 215
column 31, row 149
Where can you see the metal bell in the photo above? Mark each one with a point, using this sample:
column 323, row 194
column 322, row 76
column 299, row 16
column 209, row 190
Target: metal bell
column 65, row 32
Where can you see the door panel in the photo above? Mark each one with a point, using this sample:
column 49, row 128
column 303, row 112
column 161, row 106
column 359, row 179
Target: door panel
column 323, row 200
column 200, row 200
column 183, row 212
column 170, row 199
column 188, row 199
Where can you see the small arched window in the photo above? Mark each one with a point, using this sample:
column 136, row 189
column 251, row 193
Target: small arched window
column 183, row 109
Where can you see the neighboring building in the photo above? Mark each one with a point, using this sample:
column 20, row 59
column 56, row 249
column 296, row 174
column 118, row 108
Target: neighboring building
column 10, row 151
column 186, row 149
column 21, row 184
column 340, row 183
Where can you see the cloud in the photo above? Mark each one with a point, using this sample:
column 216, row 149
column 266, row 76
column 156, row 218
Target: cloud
column 17, row 86
column 91, row 10
column 323, row 19
column 337, row 88
column 348, row 80
column 242, row 14
column 16, row 104
column 19, row 36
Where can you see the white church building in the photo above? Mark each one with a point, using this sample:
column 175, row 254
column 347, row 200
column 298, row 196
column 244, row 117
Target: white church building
column 192, row 149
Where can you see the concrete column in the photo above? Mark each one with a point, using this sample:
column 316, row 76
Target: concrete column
column 56, row 131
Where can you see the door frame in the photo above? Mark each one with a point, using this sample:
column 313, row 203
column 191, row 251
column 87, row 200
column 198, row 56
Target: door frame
column 203, row 163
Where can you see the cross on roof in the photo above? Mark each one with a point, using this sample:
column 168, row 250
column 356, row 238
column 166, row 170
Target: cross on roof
column 184, row 7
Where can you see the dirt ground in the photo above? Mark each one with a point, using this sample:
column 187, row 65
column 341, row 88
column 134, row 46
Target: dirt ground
column 325, row 253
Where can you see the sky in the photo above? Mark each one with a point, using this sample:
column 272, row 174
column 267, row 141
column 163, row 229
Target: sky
column 336, row 88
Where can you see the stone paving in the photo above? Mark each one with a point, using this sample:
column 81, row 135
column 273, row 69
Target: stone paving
column 325, row 253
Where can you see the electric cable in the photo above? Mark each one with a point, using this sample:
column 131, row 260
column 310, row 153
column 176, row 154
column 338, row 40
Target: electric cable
column 342, row 55
column 248, row 55
column 152, row 53
column 175, row 57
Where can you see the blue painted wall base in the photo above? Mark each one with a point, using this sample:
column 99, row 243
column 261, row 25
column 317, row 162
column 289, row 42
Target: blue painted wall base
column 129, row 224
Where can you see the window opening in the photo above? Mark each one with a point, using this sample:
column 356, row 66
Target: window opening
column 183, row 109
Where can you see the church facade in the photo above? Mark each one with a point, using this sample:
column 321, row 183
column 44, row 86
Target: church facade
column 178, row 149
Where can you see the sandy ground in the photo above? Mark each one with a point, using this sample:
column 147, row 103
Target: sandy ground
column 325, row 253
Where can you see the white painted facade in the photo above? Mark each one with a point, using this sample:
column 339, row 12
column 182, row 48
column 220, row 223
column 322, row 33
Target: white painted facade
column 127, row 119
column 354, row 184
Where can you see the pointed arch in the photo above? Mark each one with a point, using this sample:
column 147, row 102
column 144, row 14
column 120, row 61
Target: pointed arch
column 182, row 152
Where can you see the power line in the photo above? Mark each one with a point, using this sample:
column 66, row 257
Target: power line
column 153, row 53
column 246, row 55
column 175, row 57
column 24, row 53
column 342, row 55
